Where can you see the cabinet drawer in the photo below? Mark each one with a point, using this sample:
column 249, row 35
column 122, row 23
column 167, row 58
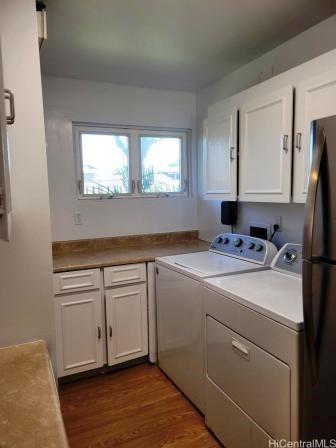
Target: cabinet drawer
column 72, row 281
column 119, row 275
column 256, row 381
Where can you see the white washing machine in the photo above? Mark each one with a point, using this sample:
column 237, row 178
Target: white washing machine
column 179, row 303
column 253, row 345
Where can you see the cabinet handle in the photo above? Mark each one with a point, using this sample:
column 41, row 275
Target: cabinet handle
column 110, row 331
column 99, row 333
column 157, row 269
column 232, row 153
column 285, row 143
column 240, row 349
column 298, row 141
column 10, row 97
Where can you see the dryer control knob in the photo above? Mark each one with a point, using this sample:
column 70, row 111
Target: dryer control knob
column 290, row 257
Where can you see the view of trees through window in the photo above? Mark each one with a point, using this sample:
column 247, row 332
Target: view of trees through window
column 160, row 164
column 112, row 163
column 105, row 160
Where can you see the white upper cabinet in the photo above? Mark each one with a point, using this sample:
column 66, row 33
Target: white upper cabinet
column 266, row 148
column 220, row 156
column 315, row 98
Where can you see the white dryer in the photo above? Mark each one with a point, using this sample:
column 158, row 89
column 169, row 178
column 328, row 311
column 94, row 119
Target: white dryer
column 179, row 281
column 253, row 345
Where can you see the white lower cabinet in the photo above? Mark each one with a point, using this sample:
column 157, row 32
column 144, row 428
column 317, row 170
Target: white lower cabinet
column 79, row 332
column 127, row 323
column 86, row 329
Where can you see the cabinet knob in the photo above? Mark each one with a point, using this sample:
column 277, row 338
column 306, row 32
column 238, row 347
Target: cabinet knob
column 110, row 331
column 99, row 333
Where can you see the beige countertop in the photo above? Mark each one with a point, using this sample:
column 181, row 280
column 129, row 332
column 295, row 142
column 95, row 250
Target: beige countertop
column 124, row 250
column 30, row 416
column 97, row 258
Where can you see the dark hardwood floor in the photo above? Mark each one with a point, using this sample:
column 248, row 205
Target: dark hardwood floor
column 134, row 408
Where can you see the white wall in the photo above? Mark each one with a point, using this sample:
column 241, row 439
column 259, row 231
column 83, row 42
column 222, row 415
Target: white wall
column 26, row 299
column 310, row 44
column 69, row 100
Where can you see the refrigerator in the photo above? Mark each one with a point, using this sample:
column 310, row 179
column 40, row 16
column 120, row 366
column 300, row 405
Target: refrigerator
column 319, row 287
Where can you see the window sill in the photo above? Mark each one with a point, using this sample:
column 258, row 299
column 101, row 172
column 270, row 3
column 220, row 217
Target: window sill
column 134, row 196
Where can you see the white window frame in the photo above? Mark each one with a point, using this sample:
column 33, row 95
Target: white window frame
column 134, row 160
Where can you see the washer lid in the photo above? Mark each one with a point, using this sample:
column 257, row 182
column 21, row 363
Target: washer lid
column 207, row 264
column 273, row 294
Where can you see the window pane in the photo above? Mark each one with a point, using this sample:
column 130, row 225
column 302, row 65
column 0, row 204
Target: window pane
column 161, row 164
column 105, row 160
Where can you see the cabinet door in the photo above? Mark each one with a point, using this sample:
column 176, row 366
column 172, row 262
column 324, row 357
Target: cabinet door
column 220, row 156
column 266, row 148
column 5, row 195
column 127, row 323
column 78, row 332
column 315, row 98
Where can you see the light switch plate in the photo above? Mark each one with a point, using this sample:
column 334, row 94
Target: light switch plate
column 78, row 218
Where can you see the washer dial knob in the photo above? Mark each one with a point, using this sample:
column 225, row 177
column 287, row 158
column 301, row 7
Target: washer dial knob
column 259, row 247
column 237, row 242
column 250, row 245
column 226, row 240
column 219, row 239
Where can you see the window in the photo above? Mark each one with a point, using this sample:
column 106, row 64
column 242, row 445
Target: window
column 114, row 162
column 105, row 163
column 161, row 167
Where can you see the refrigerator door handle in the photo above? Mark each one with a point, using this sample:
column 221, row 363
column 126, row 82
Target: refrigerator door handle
column 308, row 230
column 307, row 287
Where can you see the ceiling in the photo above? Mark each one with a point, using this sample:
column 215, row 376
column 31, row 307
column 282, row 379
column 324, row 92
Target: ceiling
column 172, row 44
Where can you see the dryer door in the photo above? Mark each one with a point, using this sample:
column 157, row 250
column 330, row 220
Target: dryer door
column 252, row 378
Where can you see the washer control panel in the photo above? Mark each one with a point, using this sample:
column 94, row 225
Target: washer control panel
column 289, row 259
column 245, row 247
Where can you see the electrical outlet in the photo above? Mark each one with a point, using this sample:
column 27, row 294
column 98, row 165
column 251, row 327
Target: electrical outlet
column 278, row 220
column 78, row 218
